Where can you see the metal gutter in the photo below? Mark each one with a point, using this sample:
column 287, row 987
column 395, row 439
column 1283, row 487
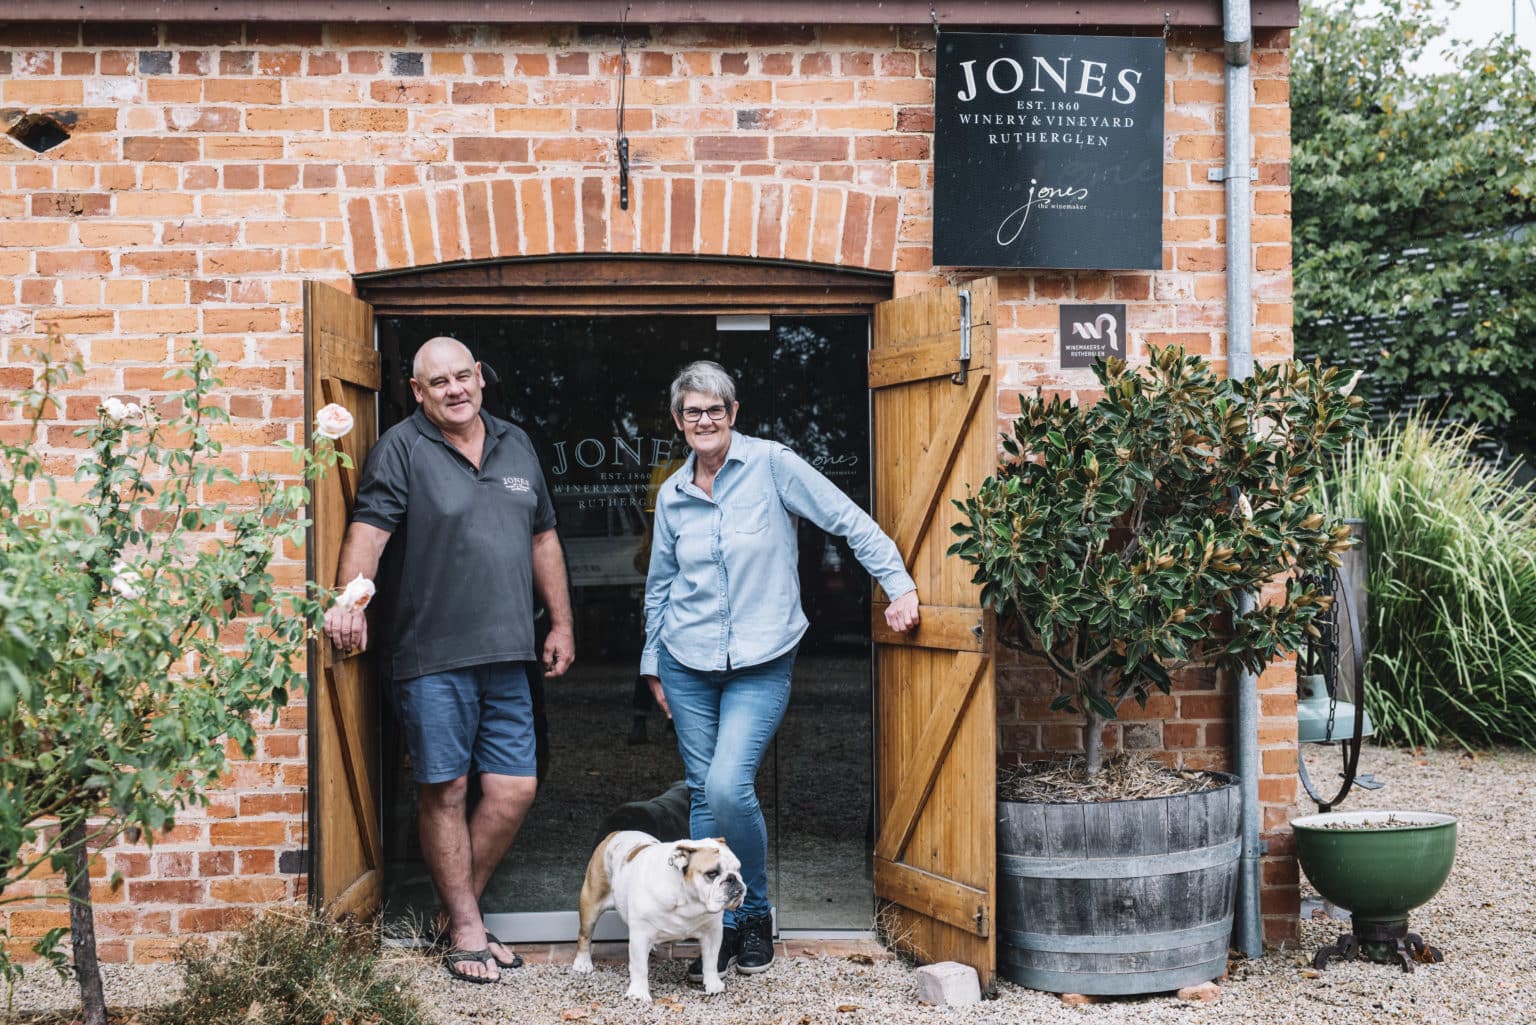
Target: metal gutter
column 1095, row 14
column 1237, row 34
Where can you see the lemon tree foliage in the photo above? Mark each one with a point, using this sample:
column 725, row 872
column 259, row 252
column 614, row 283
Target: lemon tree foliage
column 1414, row 206
column 1115, row 540
column 142, row 633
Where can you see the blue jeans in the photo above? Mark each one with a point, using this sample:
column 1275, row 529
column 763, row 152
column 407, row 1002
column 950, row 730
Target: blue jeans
column 724, row 721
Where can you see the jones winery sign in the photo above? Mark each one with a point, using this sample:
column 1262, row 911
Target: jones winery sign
column 1048, row 151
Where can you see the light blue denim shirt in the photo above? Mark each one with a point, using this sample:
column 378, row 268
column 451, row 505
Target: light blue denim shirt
column 724, row 588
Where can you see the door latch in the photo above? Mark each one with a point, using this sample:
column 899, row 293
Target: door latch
column 965, row 337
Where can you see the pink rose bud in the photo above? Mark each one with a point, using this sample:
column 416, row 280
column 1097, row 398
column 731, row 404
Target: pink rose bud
column 333, row 421
column 357, row 594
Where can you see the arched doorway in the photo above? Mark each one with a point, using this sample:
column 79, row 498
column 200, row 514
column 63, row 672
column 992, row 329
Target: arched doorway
column 929, row 381
column 579, row 353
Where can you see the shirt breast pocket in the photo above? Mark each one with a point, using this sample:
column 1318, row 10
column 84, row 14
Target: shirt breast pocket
column 749, row 513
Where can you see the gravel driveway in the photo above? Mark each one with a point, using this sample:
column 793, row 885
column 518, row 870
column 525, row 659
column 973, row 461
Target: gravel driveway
column 1483, row 921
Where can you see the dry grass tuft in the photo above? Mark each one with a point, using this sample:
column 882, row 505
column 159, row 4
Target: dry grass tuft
column 894, row 932
column 290, row 967
column 1126, row 777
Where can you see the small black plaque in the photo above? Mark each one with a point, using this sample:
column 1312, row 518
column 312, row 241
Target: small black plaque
column 1048, row 151
column 1092, row 332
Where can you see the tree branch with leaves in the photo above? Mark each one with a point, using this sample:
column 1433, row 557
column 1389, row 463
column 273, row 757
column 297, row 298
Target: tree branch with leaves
column 1115, row 541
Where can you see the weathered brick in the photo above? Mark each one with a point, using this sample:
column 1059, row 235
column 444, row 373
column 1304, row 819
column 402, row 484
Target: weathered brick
column 151, row 149
column 246, row 834
column 242, row 90
column 248, row 890
column 810, row 148
column 497, row 150
column 166, row 891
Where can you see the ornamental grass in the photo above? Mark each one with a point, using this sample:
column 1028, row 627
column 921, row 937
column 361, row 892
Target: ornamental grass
column 1452, row 585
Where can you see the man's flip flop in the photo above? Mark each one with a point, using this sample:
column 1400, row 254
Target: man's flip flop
column 517, row 959
column 454, row 958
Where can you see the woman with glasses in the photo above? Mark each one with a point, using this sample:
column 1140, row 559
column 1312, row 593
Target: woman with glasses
column 723, row 621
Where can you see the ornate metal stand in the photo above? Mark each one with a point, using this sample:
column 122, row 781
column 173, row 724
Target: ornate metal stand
column 1381, row 942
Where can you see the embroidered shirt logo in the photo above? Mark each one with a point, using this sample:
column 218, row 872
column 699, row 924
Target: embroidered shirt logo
column 516, row 483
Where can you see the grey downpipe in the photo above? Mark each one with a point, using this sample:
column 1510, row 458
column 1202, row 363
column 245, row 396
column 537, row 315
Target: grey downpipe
column 1237, row 34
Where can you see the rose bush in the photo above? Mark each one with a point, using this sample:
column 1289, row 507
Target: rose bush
column 141, row 631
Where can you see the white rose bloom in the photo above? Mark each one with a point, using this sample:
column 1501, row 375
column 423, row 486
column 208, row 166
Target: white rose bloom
column 356, row 595
column 333, row 421
column 116, row 411
column 134, row 412
column 127, row 582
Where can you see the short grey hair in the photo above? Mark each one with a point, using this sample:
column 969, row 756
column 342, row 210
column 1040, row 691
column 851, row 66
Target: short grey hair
column 705, row 377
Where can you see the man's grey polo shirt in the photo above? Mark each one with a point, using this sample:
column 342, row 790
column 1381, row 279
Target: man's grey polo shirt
column 465, row 596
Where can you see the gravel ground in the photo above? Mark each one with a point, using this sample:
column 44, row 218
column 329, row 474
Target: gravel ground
column 1482, row 921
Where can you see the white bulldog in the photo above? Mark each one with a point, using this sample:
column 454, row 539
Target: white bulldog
column 663, row 891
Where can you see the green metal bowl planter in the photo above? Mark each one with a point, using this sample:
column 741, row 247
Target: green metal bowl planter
column 1378, row 865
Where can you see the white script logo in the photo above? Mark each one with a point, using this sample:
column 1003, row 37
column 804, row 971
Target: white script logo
column 1069, row 197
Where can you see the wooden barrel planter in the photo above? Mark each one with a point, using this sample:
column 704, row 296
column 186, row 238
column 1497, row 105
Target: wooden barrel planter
column 1117, row 897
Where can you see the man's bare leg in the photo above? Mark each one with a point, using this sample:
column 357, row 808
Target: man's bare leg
column 504, row 804
column 446, row 847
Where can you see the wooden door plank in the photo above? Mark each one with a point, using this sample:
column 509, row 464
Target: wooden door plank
column 953, row 628
column 345, row 362
column 347, row 475
column 359, row 787
column 925, row 759
column 926, row 490
column 964, row 907
column 360, row 899
column 908, row 363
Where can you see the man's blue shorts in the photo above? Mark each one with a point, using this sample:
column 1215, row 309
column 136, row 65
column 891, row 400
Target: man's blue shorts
column 477, row 716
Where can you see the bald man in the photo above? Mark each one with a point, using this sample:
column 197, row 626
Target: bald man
column 463, row 493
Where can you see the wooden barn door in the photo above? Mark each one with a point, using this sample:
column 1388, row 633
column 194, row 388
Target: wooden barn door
column 935, row 431
column 341, row 366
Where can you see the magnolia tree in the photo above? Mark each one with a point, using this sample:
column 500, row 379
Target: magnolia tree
column 1116, row 540
column 142, row 633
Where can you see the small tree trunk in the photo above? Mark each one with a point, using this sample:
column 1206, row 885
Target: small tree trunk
column 82, row 928
column 1093, row 743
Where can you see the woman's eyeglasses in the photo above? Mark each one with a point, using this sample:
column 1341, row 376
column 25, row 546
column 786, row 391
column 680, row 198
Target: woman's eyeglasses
column 693, row 415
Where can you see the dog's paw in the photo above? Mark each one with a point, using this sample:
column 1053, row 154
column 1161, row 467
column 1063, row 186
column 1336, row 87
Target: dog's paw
column 637, row 993
column 582, row 965
column 713, row 986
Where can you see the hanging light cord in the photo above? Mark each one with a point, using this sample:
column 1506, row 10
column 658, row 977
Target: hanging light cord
column 623, row 141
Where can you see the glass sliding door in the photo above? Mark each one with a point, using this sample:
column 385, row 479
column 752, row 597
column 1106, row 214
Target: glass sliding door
column 592, row 394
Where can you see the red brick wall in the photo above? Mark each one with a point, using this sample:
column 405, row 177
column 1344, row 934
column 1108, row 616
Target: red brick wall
column 212, row 168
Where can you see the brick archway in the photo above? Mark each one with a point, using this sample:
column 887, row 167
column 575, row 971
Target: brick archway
column 705, row 215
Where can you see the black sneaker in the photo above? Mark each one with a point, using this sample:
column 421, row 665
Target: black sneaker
column 755, row 951
column 727, row 957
